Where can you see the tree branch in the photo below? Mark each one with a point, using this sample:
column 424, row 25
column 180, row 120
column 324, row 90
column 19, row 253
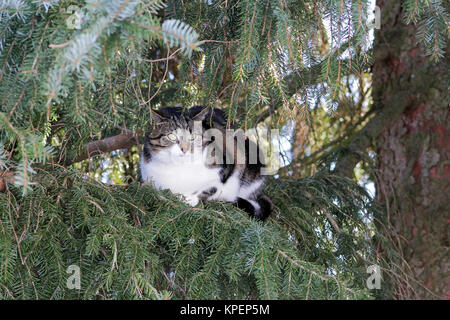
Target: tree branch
column 92, row 149
column 95, row 148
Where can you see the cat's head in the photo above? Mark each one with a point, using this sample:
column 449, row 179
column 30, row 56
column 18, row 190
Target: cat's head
column 181, row 130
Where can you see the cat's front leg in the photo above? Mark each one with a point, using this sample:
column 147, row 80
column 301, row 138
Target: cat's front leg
column 194, row 198
column 191, row 199
column 206, row 194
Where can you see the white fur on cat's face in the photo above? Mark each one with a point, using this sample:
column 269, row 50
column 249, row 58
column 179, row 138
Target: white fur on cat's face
column 173, row 151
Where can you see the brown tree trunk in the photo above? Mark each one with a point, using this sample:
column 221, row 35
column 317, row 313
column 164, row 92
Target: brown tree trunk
column 413, row 156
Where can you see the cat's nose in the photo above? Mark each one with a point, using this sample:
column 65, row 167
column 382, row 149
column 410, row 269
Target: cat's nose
column 184, row 147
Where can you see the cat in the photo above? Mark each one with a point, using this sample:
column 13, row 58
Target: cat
column 187, row 152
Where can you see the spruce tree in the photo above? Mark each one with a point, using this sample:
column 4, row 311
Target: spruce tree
column 77, row 82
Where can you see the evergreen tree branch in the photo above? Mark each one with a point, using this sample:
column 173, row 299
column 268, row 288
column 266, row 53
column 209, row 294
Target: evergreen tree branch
column 299, row 79
column 92, row 149
column 95, row 148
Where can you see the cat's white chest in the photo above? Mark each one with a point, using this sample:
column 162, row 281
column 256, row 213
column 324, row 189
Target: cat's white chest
column 181, row 173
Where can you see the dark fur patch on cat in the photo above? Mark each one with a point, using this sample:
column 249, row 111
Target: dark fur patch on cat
column 246, row 206
column 204, row 195
column 266, row 207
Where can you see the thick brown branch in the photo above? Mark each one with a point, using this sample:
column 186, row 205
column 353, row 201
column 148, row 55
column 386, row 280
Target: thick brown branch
column 95, row 148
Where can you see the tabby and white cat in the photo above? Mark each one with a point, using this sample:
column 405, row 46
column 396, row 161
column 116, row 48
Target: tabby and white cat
column 177, row 155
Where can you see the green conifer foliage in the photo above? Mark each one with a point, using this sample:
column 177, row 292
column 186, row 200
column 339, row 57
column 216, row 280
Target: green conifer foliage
column 133, row 242
column 76, row 71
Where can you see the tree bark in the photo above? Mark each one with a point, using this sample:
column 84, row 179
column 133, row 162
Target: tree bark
column 413, row 156
column 95, row 148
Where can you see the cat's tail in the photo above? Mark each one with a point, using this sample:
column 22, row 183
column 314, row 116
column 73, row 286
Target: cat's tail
column 259, row 208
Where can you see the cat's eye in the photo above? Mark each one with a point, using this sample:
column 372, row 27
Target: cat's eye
column 192, row 136
column 172, row 137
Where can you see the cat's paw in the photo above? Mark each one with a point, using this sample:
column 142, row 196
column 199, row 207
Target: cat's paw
column 191, row 200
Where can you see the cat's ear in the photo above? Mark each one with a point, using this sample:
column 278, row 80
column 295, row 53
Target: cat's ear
column 157, row 117
column 201, row 115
